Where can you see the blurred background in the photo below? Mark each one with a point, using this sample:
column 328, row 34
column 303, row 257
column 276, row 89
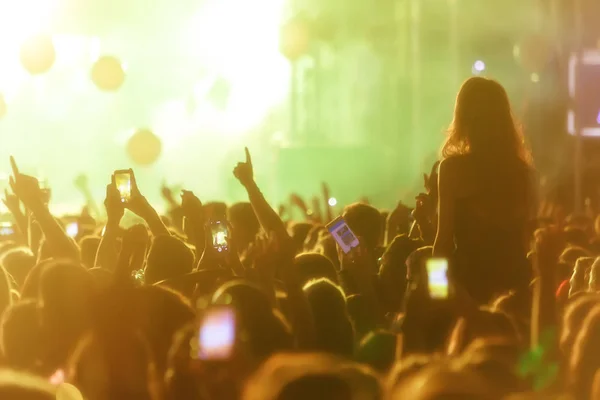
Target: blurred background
column 356, row 93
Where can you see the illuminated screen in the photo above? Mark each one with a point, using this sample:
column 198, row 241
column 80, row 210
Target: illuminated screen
column 584, row 89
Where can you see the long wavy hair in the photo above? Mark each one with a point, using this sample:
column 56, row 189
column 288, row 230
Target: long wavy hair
column 483, row 123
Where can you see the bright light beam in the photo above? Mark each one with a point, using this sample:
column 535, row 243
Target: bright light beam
column 18, row 20
column 239, row 40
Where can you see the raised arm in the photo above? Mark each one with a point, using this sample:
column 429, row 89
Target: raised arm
column 82, row 184
column 28, row 190
column 326, row 196
column 143, row 209
column 194, row 221
column 107, row 255
column 11, row 201
column 267, row 216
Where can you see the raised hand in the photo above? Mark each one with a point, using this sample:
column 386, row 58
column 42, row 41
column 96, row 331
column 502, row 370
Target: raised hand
column 244, row 171
column 424, row 208
column 167, row 194
column 297, row 201
column 194, row 220
column 397, row 222
column 325, row 191
column 26, row 188
column 11, row 201
column 112, row 202
column 192, row 206
column 358, row 262
column 137, row 203
column 81, row 182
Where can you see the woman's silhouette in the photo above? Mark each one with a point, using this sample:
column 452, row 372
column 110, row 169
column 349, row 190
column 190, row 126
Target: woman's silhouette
column 485, row 194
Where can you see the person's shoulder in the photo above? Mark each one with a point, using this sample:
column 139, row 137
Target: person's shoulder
column 453, row 163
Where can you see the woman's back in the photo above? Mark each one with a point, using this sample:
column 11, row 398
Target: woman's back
column 485, row 193
column 491, row 216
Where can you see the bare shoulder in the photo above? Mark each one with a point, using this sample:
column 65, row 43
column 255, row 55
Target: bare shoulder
column 452, row 165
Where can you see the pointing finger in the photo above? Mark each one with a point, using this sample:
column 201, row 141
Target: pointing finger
column 14, row 167
column 248, row 158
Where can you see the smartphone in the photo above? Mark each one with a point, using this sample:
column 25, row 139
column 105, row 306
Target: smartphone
column 123, row 183
column 216, row 336
column 6, row 229
column 72, row 229
column 437, row 277
column 342, row 234
column 220, row 235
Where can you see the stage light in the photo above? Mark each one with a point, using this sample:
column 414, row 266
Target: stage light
column 37, row 54
column 108, row 73
column 332, row 201
column 241, row 49
column 144, row 147
column 478, row 67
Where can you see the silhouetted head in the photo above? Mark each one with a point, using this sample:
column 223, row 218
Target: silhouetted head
column 314, row 266
column 332, row 323
column 573, row 316
column 442, row 381
column 161, row 312
column 483, row 123
column 66, row 292
column 363, row 319
column 215, row 210
column 244, row 223
column 578, row 282
column 485, row 324
column 298, row 232
column 594, row 276
column 19, row 335
column 365, row 221
column 89, row 247
column 393, row 271
column 495, row 359
column 266, row 330
column 327, row 246
column 18, row 262
column 5, row 294
column 114, row 368
column 311, row 376
column 585, row 357
column 168, row 258
column 571, row 254
column 576, row 236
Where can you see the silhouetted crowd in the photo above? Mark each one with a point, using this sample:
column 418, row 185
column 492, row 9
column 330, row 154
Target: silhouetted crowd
column 481, row 289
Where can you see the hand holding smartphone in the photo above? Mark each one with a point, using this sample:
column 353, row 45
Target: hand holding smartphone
column 123, row 182
column 220, row 235
column 437, row 277
column 342, row 234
